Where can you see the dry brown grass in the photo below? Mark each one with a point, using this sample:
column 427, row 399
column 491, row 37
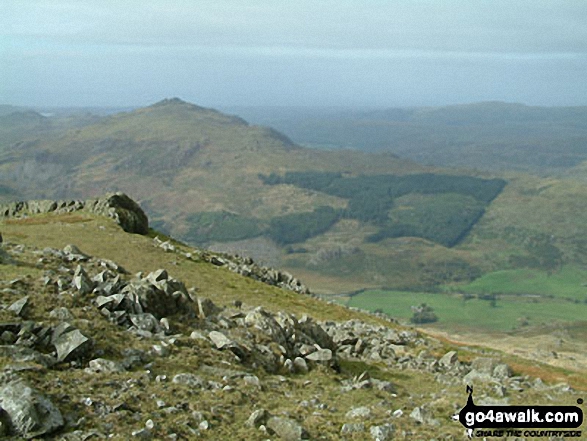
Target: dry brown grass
column 48, row 219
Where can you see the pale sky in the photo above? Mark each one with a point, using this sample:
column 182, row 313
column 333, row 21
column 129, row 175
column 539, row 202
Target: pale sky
column 293, row 52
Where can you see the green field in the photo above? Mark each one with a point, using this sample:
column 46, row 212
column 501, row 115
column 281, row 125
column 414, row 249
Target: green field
column 567, row 283
column 456, row 314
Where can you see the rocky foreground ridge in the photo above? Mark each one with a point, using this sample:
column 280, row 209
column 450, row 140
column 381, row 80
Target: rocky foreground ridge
column 89, row 351
column 132, row 219
column 62, row 375
column 118, row 206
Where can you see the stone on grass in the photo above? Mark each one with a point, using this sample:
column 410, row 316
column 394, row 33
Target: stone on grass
column 101, row 365
column 191, row 380
column 257, row 418
column 300, row 365
column 359, row 412
column 287, row 429
column 72, row 345
column 320, row 355
column 350, row 428
column 20, row 306
column 30, row 414
column 61, row 313
column 382, row 433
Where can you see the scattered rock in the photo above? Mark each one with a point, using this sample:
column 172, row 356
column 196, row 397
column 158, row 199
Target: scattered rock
column 71, row 345
column 30, row 414
column 449, row 360
column 350, row 428
column 191, row 380
column 257, row 418
column 287, row 429
column 101, row 365
column 300, row 365
column 61, row 313
column 321, row 355
column 359, row 412
column 81, row 281
column 382, row 433
column 423, row 416
column 19, row 307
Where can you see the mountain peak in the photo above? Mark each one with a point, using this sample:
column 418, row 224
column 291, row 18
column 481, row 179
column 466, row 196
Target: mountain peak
column 172, row 102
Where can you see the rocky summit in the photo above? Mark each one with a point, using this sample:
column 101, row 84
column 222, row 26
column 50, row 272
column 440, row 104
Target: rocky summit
column 118, row 206
column 95, row 348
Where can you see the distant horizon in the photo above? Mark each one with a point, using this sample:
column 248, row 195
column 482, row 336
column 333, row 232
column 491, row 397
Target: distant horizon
column 282, row 106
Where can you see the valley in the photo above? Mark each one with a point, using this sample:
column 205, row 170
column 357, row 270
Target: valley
column 399, row 232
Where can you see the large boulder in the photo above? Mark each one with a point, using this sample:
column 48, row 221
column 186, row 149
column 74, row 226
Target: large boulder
column 28, row 413
column 70, row 343
column 123, row 210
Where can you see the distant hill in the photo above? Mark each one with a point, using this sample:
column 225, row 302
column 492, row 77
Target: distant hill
column 342, row 219
column 485, row 136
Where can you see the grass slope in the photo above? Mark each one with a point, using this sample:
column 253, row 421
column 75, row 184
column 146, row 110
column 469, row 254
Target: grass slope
column 474, row 315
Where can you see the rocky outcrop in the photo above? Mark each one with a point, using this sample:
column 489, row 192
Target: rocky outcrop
column 118, row 206
column 245, row 266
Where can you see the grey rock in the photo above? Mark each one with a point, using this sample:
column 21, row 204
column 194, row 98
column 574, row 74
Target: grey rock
column 5, row 258
column 382, row 433
column 125, row 212
column 423, row 416
column 502, row 371
column 73, row 253
column 288, row 365
column 21, row 354
column 197, row 335
column 61, row 313
column 72, row 345
column 101, row 365
column 191, row 380
column 300, row 365
column 160, row 350
column 321, row 355
column 207, row 308
column 145, row 322
column 220, row 340
column 316, row 333
column 81, row 281
column 350, row 428
column 476, row 376
column 359, row 412
column 484, row 365
column 158, row 276
column 449, row 360
column 257, row 418
column 30, row 414
column 19, row 307
column 286, row 428
column 252, row 380
column 61, row 329
column 383, row 385
column 144, row 433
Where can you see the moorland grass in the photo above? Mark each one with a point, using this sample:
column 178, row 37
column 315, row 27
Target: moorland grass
column 474, row 314
column 568, row 282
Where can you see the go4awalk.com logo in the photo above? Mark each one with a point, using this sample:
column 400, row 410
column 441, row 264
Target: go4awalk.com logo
column 526, row 421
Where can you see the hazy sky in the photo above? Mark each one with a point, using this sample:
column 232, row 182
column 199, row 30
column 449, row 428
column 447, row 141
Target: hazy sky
column 293, row 52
